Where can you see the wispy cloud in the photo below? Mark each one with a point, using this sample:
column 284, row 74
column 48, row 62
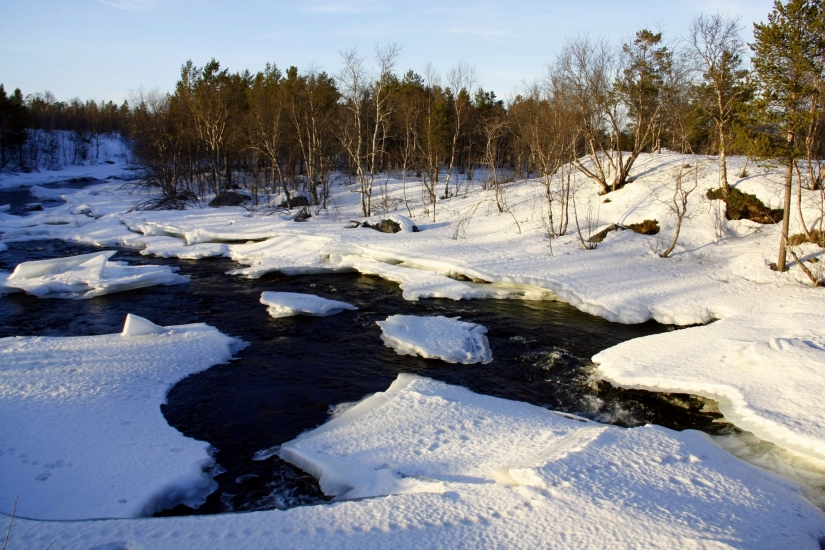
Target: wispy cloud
column 132, row 5
column 343, row 6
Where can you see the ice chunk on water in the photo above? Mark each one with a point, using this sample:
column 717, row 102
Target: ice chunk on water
column 41, row 268
column 440, row 337
column 138, row 326
column 81, row 430
column 641, row 486
column 87, row 276
column 287, row 304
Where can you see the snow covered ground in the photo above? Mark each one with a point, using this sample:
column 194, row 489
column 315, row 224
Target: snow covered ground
column 759, row 359
column 81, row 432
column 446, row 468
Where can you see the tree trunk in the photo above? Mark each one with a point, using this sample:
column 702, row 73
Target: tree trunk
column 783, row 242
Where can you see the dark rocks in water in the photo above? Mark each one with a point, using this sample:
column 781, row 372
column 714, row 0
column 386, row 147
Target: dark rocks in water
column 293, row 202
column 227, row 198
column 84, row 179
column 33, row 206
column 110, row 162
column 384, row 226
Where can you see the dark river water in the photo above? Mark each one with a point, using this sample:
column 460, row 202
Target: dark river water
column 22, row 202
column 295, row 369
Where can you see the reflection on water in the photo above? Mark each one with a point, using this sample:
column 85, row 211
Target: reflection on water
column 295, row 369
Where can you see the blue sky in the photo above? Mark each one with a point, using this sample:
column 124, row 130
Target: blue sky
column 104, row 49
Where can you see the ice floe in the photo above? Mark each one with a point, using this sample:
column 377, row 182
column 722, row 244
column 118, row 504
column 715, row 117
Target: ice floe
column 81, row 431
column 87, row 276
column 439, row 337
column 288, row 304
column 448, row 468
column 766, row 372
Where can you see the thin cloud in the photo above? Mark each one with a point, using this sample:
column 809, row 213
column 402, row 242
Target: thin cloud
column 132, row 5
column 343, row 6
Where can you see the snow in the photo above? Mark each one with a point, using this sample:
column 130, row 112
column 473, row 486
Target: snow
column 81, row 431
column 87, row 276
column 439, row 337
column 760, row 357
column 766, row 373
column 489, row 473
column 287, row 304
column 138, row 326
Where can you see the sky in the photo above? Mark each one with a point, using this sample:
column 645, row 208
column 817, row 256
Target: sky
column 108, row 49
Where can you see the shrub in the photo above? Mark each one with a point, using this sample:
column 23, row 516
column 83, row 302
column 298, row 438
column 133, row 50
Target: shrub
column 744, row 206
column 647, row 227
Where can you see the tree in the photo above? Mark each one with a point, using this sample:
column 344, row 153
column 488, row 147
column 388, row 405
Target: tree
column 718, row 49
column 461, row 80
column 787, row 50
column 13, row 127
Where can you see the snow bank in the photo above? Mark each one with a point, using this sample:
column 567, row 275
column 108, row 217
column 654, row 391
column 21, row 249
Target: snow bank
column 87, row 276
column 465, row 470
column 635, row 487
column 81, row 432
column 287, row 304
column 766, row 372
column 439, row 337
column 289, row 254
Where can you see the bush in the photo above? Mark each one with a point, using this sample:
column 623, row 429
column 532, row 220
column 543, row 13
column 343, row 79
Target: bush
column 817, row 237
column 647, row 227
column 744, row 206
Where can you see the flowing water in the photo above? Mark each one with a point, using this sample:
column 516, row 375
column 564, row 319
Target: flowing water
column 22, row 202
column 295, row 370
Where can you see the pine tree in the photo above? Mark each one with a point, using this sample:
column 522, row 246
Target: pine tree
column 785, row 52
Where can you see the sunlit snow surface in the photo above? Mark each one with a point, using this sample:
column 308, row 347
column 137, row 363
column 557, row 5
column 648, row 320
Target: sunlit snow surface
column 767, row 373
column 759, row 359
column 81, row 431
column 85, row 276
column 287, row 304
column 464, row 470
column 439, row 337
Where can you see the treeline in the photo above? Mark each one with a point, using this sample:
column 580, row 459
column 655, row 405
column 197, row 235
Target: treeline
column 39, row 131
column 598, row 107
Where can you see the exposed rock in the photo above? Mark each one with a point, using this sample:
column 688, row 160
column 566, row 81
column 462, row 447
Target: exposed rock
column 599, row 237
column 227, row 198
column 298, row 200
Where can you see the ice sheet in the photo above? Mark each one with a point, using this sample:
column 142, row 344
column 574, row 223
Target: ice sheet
column 288, row 304
column 87, row 276
column 81, row 431
column 439, row 337
column 766, row 372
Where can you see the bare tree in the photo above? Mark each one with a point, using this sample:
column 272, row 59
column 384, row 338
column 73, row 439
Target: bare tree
column 363, row 132
column 718, row 48
column 686, row 181
column 462, row 79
